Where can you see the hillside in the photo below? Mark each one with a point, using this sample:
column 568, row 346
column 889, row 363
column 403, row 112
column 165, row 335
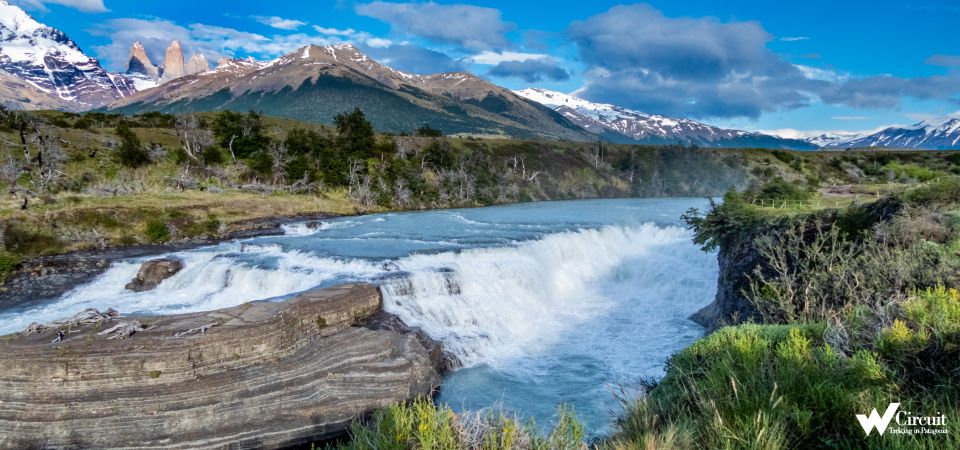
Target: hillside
column 94, row 180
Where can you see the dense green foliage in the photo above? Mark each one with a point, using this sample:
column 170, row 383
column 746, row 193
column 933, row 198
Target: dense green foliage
column 423, row 425
column 131, row 152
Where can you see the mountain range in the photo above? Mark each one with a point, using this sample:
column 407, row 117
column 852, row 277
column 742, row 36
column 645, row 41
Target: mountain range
column 935, row 134
column 42, row 68
column 625, row 125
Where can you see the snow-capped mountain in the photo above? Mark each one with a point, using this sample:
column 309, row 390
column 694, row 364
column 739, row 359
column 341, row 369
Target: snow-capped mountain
column 609, row 120
column 940, row 134
column 833, row 140
column 49, row 61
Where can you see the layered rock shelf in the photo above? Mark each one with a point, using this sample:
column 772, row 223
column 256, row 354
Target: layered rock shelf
column 258, row 375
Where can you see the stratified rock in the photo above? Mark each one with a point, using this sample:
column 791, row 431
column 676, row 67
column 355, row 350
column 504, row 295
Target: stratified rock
column 197, row 64
column 152, row 273
column 173, row 67
column 259, row 375
column 139, row 63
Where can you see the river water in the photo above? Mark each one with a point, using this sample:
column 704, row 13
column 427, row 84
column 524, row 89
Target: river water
column 544, row 304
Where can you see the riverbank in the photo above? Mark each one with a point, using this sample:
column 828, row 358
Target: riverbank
column 117, row 221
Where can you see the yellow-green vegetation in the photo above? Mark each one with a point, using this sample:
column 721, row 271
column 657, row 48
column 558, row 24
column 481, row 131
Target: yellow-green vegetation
column 801, row 386
column 855, row 309
column 424, row 425
column 82, row 221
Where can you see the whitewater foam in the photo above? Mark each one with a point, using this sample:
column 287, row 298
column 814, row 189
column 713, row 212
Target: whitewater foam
column 487, row 305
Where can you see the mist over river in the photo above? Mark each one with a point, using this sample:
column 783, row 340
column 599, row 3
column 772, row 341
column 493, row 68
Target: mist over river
column 543, row 304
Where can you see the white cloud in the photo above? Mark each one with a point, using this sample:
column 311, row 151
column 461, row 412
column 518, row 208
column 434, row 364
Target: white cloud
column 379, row 43
column 794, row 38
column 81, row 5
column 813, row 73
column 334, row 31
column 279, row 22
column 494, row 58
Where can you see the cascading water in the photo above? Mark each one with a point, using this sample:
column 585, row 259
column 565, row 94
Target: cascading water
column 542, row 304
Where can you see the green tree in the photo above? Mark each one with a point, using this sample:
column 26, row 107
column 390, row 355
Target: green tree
column 355, row 134
column 240, row 133
column 131, row 152
column 427, row 131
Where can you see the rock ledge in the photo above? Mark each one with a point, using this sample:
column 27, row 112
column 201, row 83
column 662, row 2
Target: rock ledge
column 258, row 375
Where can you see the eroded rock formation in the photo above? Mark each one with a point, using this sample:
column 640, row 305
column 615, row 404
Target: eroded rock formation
column 197, row 64
column 173, row 66
column 259, row 375
column 139, row 63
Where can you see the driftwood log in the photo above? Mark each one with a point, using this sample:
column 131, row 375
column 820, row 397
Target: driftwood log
column 259, row 375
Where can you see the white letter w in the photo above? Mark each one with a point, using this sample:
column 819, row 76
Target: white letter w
column 868, row 423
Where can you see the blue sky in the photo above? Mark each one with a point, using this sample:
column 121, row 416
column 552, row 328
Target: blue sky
column 809, row 66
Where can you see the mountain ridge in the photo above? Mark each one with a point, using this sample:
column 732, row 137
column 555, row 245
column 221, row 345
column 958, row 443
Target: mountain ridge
column 316, row 83
column 652, row 128
column 53, row 65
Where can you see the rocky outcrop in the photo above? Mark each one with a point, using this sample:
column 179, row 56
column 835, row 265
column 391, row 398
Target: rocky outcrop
column 737, row 258
column 139, row 63
column 259, row 375
column 197, row 64
column 152, row 273
column 173, row 66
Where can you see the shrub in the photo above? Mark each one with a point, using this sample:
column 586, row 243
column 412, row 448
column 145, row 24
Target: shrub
column 424, row 425
column 8, row 264
column 157, row 231
column 131, row 152
column 779, row 189
column 212, row 156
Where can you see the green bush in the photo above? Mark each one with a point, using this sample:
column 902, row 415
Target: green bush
column 8, row 264
column 423, row 425
column 131, row 152
column 773, row 387
column 779, row 189
column 157, row 231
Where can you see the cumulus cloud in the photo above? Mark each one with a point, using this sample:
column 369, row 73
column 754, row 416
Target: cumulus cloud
column 414, row 59
column 703, row 67
column 887, row 91
column 81, row 5
column 531, row 70
column 334, row 31
column 279, row 22
column 493, row 58
column 692, row 67
column 468, row 26
column 213, row 41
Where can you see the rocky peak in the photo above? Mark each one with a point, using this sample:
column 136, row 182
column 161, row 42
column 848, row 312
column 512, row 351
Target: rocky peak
column 139, row 63
column 197, row 64
column 173, row 65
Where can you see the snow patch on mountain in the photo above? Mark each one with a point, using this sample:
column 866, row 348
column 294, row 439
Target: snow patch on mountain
column 47, row 59
column 651, row 128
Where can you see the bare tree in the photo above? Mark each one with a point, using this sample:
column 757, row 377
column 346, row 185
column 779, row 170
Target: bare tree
column 279, row 158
